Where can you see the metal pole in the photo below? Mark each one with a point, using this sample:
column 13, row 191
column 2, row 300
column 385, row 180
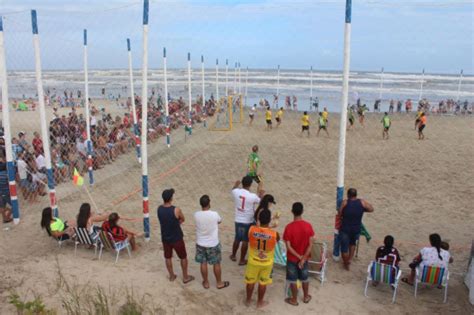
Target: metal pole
column 217, row 80
column 227, row 77
column 240, row 79
column 42, row 109
column 132, row 98
column 343, row 121
column 311, row 88
column 7, row 130
column 421, row 84
column 167, row 112
column 246, row 85
column 235, row 79
column 278, row 87
column 144, row 131
column 381, row 84
column 88, row 119
column 190, row 100
column 459, row 86
column 203, row 87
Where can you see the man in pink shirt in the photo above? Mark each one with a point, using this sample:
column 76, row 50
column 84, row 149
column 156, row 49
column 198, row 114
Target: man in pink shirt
column 298, row 237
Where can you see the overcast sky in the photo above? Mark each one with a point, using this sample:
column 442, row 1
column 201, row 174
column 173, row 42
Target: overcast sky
column 403, row 36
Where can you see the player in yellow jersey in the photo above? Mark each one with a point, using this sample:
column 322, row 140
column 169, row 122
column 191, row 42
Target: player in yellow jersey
column 262, row 242
column 418, row 117
column 268, row 118
column 278, row 116
column 326, row 115
column 305, row 123
column 322, row 122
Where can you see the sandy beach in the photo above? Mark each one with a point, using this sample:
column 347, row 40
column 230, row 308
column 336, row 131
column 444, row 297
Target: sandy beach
column 416, row 187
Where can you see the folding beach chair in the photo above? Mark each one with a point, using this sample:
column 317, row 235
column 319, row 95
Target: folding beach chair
column 83, row 237
column 318, row 262
column 280, row 254
column 383, row 273
column 60, row 239
column 107, row 241
column 438, row 276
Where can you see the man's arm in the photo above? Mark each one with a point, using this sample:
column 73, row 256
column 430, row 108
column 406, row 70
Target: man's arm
column 179, row 215
column 292, row 250
column 343, row 205
column 307, row 253
column 367, row 206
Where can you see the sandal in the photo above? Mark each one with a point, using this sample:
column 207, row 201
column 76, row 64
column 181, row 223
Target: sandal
column 288, row 300
column 307, row 299
column 405, row 280
column 190, row 278
column 226, row 284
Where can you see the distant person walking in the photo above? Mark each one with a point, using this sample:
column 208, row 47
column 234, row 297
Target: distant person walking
column 208, row 248
column 298, row 237
column 252, row 112
column 268, row 118
column 386, row 122
column 245, row 204
column 171, row 218
column 351, row 211
column 253, row 167
column 421, row 126
column 279, row 116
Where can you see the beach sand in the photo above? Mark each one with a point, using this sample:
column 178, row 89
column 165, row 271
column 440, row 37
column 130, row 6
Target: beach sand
column 416, row 188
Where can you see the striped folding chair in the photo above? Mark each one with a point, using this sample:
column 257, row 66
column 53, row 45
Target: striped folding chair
column 438, row 276
column 83, row 238
column 107, row 241
column 318, row 262
column 280, row 254
column 382, row 273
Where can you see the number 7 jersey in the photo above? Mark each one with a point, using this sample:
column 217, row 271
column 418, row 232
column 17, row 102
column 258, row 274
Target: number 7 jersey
column 262, row 242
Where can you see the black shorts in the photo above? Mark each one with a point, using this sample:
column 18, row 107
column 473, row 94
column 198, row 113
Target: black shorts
column 269, row 121
column 256, row 178
column 251, row 115
column 386, row 128
column 351, row 121
column 277, row 119
column 303, row 128
column 417, row 121
column 420, row 129
column 322, row 127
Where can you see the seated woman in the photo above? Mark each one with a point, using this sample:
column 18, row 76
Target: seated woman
column 429, row 256
column 387, row 254
column 86, row 219
column 119, row 233
column 55, row 226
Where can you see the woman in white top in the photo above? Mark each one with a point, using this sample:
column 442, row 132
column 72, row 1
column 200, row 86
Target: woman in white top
column 429, row 256
column 86, row 219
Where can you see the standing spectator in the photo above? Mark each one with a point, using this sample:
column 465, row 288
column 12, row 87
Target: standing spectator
column 351, row 211
column 298, row 237
column 22, row 141
column 37, row 143
column 245, row 203
column 261, row 255
column 208, row 248
column 4, row 193
column 171, row 218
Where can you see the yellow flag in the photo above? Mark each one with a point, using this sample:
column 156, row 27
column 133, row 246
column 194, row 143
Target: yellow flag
column 77, row 178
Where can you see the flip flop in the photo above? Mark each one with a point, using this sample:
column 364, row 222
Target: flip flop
column 232, row 258
column 190, row 278
column 242, row 263
column 307, row 299
column 288, row 300
column 405, row 280
column 226, row 284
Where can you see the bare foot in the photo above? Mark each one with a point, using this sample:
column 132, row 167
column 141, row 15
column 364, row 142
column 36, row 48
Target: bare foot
column 232, row 258
column 205, row 284
column 262, row 304
column 248, row 302
column 188, row 279
column 172, row 278
column 347, row 266
column 242, row 262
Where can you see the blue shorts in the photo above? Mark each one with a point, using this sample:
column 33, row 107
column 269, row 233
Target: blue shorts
column 242, row 231
column 4, row 200
column 347, row 240
column 294, row 273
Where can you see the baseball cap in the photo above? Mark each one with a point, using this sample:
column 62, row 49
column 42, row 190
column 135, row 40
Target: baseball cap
column 21, row 133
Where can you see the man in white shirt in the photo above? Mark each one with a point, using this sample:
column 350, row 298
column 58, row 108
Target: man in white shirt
column 208, row 248
column 245, row 203
column 40, row 162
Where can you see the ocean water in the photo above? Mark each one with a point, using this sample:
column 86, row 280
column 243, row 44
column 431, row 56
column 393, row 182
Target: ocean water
column 327, row 85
